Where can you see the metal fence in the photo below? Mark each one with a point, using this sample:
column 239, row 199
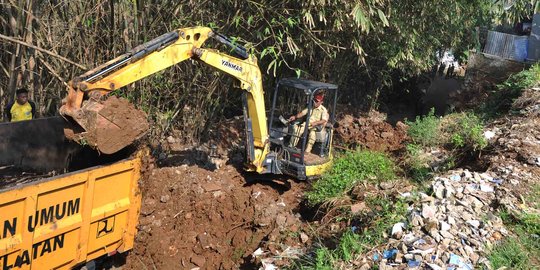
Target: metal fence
column 506, row 46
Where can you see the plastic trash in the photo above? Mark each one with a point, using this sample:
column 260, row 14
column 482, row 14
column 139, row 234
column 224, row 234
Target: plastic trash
column 489, row 134
column 456, row 262
column 497, row 181
column 389, row 254
column 419, row 242
column 455, row 177
column 413, row 263
column 376, row 257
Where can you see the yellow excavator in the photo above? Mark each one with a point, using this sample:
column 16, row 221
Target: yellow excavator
column 110, row 124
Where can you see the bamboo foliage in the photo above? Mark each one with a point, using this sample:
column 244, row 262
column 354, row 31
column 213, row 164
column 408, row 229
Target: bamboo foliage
column 362, row 45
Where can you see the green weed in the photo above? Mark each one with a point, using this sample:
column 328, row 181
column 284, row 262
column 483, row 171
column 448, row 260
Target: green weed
column 417, row 163
column 323, row 259
column 384, row 215
column 510, row 254
column 523, row 250
column 351, row 168
column 424, row 130
column 458, row 133
column 349, row 244
column 463, row 131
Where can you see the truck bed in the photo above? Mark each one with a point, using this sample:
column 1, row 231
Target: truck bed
column 62, row 221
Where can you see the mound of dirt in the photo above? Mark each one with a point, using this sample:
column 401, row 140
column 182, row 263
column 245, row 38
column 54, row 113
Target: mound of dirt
column 192, row 217
column 370, row 132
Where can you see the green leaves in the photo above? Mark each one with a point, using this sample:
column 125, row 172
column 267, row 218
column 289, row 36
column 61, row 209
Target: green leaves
column 360, row 18
column 382, row 17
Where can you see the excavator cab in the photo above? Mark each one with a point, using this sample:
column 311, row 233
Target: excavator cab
column 302, row 152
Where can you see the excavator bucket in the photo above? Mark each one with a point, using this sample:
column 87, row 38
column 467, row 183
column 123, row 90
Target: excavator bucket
column 108, row 125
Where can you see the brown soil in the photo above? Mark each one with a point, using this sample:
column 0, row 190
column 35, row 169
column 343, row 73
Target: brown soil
column 192, row 217
column 371, row 132
column 109, row 126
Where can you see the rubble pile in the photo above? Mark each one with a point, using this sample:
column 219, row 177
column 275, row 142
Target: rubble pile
column 370, row 132
column 451, row 229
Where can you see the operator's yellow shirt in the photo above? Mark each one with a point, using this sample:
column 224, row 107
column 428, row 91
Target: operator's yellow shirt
column 21, row 112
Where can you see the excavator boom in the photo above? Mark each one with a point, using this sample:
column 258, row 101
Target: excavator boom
column 112, row 124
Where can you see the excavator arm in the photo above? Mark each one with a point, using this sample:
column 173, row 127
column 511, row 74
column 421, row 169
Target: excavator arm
column 111, row 124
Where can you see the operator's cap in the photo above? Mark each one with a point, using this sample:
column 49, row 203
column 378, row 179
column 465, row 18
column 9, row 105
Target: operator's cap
column 318, row 97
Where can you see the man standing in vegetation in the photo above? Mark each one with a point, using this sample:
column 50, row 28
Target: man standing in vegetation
column 319, row 117
column 21, row 109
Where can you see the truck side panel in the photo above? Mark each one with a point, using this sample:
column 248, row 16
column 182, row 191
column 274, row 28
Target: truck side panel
column 59, row 222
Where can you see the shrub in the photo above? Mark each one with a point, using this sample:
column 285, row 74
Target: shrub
column 425, row 130
column 463, row 130
column 349, row 169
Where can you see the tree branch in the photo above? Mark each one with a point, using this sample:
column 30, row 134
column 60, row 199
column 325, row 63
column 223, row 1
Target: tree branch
column 43, row 50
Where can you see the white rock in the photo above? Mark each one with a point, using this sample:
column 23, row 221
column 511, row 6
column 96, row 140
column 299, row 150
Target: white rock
column 165, row 198
column 486, row 176
column 409, row 238
column 446, row 235
column 428, row 211
column 406, row 194
column 397, row 230
column 449, row 192
column 439, row 191
column 416, row 220
column 474, row 223
column 486, row 188
column 303, row 237
column 423, row 252
column 444, row 226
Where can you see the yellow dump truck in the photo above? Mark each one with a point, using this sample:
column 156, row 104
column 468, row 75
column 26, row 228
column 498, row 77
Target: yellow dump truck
column 64, row 221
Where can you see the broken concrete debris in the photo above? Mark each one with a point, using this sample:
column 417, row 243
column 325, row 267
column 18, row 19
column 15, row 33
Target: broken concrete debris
column 449, row 230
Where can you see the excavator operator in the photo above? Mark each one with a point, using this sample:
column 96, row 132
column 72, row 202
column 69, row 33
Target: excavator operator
column 317, row 120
